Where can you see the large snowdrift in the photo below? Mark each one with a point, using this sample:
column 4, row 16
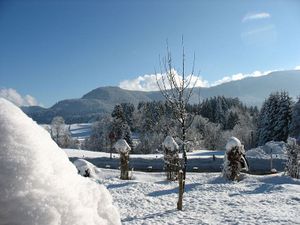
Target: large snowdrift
column 38, row 184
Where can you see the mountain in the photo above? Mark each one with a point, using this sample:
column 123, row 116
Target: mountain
column 100, row 101
column 253, row 90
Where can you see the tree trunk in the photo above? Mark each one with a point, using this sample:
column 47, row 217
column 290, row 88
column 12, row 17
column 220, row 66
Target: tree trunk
column 180, row 191
column 184, row 154
column 124, row 167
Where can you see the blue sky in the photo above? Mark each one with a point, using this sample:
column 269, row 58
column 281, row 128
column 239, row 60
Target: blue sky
column 54, row 50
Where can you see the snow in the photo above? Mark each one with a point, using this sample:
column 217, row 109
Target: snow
column 92, row 154
column 209, row 199
column 278, row 149
column 83, row 165
column 232, row 142
column 81, row 130
column 122, row 146
column 38, row 183
column 170, row 144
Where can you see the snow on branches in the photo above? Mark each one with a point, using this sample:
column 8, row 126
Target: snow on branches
column 293, row 153
column 123, row 148
column 171, row 157
column 234, row 159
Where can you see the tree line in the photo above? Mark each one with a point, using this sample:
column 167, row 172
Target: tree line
column 145, row 126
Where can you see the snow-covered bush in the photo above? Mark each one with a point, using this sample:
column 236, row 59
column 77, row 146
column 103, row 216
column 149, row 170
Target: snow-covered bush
column 86, row 168
column 123, row 148
column 38, row 183
column 171, row 157
column 293, row 153
column 234, row 159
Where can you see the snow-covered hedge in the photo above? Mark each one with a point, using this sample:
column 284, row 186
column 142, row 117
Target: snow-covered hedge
column 38, row 184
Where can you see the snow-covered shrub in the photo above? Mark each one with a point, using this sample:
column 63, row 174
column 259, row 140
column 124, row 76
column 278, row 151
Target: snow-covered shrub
column 234, row 159
column 123, row 148
column 86, row 168
column 38, row 183
column 293, row 153
column 171, row 157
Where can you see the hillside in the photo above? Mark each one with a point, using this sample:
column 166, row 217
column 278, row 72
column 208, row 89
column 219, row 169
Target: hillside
column 100, row 101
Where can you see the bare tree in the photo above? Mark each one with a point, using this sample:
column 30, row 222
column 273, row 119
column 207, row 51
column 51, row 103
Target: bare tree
column 60, row 133
column 177, row 90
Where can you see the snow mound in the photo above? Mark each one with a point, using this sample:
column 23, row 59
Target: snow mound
column 277, row 148
column 122, row 146
column 38, row 184
column 83, row 165
column 170, row 144
column 232, row 142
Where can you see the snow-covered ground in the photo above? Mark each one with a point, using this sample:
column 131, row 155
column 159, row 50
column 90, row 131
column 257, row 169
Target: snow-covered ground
column 81, row 131
column 209, row 199
column 90, row 154
column 202, row 160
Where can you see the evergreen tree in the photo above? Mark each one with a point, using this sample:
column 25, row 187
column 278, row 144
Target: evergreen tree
column 231, row 120
column 128, row 109
column 274, row 118
column 273, row 114
column 293, row 153
column 284, row 117
column 263, row 122
column 119, row 125
column 295, row 122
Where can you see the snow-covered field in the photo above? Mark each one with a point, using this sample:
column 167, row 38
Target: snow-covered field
column 259, row 161
column 79, row 131
column 191, row 155
column 149, row 199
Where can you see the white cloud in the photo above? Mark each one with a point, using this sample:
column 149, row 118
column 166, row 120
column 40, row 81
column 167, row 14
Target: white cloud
column 240, row 76
column 258, row 30
column 13, row 96
column 149, row 83
column 256, row 16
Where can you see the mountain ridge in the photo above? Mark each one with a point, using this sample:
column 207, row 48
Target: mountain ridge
column 101, row 100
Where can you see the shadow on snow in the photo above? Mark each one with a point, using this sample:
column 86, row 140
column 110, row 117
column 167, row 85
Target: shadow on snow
column 188, row 187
